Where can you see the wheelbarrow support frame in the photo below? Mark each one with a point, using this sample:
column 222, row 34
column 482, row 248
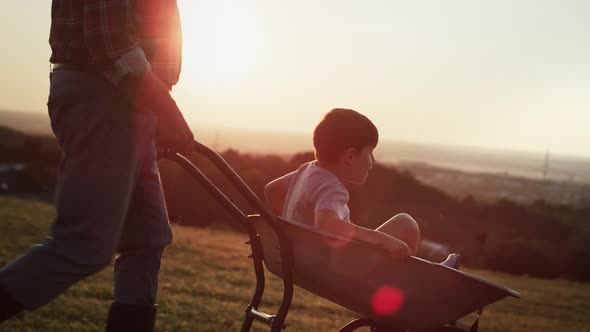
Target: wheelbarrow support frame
column 276, row 322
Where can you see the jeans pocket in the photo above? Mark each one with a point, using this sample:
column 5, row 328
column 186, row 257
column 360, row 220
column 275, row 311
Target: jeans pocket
column 54, row 119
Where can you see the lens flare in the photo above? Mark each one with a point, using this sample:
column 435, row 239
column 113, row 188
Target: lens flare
column 387, row 301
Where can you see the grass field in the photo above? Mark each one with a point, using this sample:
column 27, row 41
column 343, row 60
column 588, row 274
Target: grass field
column 207, row 280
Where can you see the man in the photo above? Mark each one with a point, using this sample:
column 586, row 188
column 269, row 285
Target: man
column 113, row 65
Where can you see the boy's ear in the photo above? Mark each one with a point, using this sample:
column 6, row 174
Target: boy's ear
column 349, row 155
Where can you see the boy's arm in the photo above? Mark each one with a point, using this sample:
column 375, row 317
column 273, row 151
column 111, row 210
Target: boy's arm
column 329, row 221
column 275, row 193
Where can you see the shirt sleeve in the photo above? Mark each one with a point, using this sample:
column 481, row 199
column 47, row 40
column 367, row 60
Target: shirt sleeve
column 288, row 178
column 332, row 196
column 161, row 38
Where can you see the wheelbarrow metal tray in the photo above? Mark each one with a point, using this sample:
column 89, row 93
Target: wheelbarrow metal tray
column 360, row 277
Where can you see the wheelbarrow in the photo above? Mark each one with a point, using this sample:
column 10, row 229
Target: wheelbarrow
column 389, row 295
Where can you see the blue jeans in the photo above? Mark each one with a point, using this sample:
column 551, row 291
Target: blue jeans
column 109, row 198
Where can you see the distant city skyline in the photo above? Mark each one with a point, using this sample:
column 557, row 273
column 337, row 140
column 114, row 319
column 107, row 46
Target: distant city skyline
column 504, row 74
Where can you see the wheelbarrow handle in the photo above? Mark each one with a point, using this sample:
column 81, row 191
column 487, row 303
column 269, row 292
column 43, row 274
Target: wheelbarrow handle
column 229, row 173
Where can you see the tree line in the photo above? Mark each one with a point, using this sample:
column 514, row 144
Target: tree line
column 539, row 239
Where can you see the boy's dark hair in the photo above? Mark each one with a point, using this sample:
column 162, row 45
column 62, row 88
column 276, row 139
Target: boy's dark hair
column 341, row 129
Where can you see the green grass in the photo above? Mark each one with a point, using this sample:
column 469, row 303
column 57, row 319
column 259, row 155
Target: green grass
column 207, row 281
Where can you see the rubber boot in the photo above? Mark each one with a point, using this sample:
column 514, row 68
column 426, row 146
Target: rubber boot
column 126, row 317
column 8, row 306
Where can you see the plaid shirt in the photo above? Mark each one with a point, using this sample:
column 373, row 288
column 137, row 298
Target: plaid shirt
column 105, row 32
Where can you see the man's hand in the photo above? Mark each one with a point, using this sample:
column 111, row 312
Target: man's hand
column 147, row 93
column 174, row 133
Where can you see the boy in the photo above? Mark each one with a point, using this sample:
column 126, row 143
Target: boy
column 315, row 193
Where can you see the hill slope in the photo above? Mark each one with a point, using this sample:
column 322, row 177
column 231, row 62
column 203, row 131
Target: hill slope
column 207, row 281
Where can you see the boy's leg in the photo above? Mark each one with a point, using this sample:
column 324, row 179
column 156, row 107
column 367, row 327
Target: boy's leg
column 103, row 141
column 403, row 227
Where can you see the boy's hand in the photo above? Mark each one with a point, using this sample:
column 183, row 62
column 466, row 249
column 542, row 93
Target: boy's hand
column 397, row 248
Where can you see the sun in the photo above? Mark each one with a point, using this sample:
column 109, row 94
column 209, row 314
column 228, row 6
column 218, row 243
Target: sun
column 222, row 40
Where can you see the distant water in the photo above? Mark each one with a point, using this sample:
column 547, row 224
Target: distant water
column 468, row 159
column 523, row 164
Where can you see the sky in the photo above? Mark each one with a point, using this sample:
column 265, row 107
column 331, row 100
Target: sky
column 502, row 74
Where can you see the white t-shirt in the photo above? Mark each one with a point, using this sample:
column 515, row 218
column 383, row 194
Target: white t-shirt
column 312, row 188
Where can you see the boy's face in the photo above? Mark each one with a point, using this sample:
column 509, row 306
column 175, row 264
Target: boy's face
column 359, row 163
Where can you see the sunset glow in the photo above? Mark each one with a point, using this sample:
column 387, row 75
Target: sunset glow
column 222, row 40
column 499, row 75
